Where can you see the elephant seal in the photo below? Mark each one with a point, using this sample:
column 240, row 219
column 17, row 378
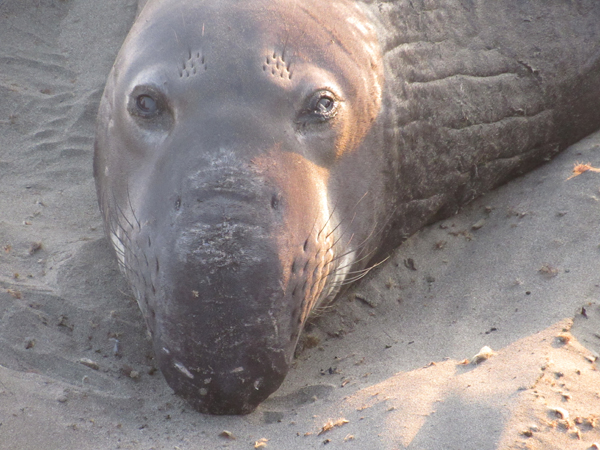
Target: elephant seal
column 253, row 157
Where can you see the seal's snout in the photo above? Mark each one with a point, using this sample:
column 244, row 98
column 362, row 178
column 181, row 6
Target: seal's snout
column 235, row 353
column 234, row 382
column 222, row 274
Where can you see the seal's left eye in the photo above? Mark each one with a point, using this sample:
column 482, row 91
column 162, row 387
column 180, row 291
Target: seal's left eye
column 321, row 106
column 146, row 104
column 325, row 105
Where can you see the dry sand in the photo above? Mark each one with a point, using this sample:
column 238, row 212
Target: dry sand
column 383, row 367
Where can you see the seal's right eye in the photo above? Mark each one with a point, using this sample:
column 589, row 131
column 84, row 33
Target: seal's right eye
column 146, row 104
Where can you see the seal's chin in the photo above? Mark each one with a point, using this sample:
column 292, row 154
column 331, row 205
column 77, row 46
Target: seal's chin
column 233, row 383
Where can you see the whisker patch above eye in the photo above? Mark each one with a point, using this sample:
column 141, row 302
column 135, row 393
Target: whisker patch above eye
column 189, row 64
column 280, row 68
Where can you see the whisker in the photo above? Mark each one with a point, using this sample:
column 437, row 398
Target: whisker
column 327, row 221
column 121, row 212
column 368, row 255
column 132, row 210
column 368, row 269
column 333, row 272
column 340, row 237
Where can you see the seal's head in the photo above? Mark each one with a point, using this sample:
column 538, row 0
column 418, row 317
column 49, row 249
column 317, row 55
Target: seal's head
column 236, row 181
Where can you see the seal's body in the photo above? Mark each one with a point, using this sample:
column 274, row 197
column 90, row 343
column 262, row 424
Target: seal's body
column 252, row 157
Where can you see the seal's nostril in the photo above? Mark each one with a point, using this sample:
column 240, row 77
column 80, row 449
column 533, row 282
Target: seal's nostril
column 275, row 201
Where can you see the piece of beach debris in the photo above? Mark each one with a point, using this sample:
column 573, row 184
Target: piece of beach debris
column 128, row 371
column 576, row 433
column 261, row 443
column 484, row 354
column 89, row 363
column 331, row 425
column 530, row 430
column 409, row 263
column 548, row 270
column 468, row 236
column 477, row 225
column 564, row 338
column 364, row 299
column 15, row 293
column 35, row 247
column 311, row 341
column 227, row 435
column 63, row 321
column 561, row 413
column 581, row 168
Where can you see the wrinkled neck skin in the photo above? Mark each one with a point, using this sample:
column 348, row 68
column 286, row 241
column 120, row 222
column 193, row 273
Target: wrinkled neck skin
column 239, row 176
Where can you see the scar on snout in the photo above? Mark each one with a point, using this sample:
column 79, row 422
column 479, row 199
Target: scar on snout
column 183, row 370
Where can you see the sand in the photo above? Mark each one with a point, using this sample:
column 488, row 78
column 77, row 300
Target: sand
column 385, row 367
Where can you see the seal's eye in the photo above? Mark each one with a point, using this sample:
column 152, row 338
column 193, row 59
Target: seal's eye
column 149, row 107
column 146, row 104
column 321, row 106
column 325, row 105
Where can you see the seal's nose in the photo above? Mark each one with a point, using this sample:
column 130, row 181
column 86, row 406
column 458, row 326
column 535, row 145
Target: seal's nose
column 233, row 382
column 221, row 335
column 222, row 331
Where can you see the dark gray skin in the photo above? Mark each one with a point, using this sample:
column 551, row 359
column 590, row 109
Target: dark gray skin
column 252, row 157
